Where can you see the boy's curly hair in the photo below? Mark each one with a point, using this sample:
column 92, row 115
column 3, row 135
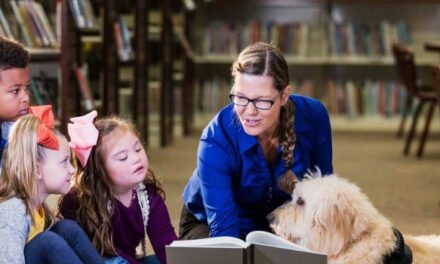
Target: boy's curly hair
column 12, row 54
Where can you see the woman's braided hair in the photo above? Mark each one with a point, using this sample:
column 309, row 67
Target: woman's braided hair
column 264, row 59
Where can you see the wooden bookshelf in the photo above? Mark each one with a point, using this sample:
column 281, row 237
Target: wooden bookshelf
column 167, row 99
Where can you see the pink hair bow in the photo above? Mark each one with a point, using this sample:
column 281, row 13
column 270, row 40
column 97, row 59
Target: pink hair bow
column 46, row 137
column 83, row 136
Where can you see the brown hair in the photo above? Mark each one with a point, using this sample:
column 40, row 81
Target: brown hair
column 12, row 55
column 19, row 173
column 95, row 191
column 264, row 59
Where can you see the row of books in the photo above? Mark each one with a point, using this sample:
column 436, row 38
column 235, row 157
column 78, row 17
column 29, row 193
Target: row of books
column 82, row 12
column 367, row 97
column 230, row 37
column 30, row 24
column 342, row 97
column 43, row 90
column 341, row 39
column 352, row 39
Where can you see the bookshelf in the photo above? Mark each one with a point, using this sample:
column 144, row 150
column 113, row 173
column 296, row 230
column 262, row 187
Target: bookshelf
column 76, row 92
column 132, row 72
column 322, row 42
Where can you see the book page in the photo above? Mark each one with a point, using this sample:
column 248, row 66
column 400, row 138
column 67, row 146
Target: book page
column 269, row 239
column 217, row 242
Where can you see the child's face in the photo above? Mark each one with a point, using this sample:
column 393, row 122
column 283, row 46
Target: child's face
column 14, row 93
column 125, row 159
column 56, row 171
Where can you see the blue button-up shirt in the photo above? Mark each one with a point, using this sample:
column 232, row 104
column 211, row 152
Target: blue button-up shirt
column 233, row 187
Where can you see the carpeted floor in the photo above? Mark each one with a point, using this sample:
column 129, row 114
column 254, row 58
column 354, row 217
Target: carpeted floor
column 405, row 189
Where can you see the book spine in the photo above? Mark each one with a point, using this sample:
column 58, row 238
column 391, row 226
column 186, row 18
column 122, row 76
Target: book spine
column 45, row 23
column 77, row 14
column 85, row 89
column 25, row 34
column 5, row 24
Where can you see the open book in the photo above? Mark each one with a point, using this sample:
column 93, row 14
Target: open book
column 260, row 247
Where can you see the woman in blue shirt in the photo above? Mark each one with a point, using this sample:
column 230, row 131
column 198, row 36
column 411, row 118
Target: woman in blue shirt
column 252, row 148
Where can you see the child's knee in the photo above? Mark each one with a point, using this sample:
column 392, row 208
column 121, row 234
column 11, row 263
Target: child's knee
column 67, row 228
column 48, row 239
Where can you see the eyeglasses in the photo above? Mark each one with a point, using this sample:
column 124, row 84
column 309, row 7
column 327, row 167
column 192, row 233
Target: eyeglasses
column 262, row 104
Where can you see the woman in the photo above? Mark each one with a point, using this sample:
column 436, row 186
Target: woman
column 254, row 150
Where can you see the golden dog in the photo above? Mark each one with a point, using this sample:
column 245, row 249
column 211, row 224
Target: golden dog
column 331, row 215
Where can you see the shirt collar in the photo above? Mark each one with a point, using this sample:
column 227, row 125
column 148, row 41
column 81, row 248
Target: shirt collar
column 5, row 128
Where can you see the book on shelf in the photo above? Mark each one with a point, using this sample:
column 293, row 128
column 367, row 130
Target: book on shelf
column 123, row 42
column 5, row 29
column 43, row 90
column 38, row 98
column 33, row 26
column 46, row 26
column 260, row 247
column 23, row 30
column 82, row 12
column 85, row 89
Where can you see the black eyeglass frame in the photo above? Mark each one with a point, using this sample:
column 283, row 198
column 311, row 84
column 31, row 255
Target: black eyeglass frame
column 254, row 101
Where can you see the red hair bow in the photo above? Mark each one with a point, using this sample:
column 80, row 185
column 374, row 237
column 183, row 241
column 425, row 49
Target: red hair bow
column 46, row 137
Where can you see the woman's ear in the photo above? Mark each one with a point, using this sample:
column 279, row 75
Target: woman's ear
column 285, row 94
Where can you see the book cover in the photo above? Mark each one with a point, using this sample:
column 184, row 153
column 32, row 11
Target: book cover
column 260, row 247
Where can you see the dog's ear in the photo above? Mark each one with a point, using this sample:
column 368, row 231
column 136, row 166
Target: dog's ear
column 333, row 224
column 287, row 181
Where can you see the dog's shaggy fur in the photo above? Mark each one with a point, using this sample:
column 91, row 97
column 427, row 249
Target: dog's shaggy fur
column 331, row 215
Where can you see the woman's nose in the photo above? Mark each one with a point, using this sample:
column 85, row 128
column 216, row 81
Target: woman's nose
column 251, row 108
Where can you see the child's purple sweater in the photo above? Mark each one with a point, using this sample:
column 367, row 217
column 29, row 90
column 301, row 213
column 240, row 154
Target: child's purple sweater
column 128, row 227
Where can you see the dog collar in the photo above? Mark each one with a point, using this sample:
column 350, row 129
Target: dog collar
column 401, row 254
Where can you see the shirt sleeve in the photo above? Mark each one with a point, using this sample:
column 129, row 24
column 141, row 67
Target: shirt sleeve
column 159, row 229
column 322, row 156
column 215, row 164
column 13, row 233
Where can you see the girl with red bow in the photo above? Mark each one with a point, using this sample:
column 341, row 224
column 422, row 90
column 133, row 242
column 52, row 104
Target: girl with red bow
column 37, row 163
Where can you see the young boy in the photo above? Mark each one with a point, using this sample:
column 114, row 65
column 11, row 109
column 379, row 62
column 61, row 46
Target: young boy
column 14, row 84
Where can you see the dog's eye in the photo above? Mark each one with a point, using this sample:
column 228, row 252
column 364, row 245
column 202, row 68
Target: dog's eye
column 300, row 201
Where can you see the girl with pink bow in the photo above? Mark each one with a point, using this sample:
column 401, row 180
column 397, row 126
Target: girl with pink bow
column 37, row 163
column 116, row 198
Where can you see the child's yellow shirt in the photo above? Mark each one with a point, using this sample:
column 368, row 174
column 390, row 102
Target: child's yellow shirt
column 39, row 217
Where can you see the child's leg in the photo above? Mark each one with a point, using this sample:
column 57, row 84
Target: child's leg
column 77, row 239
column 150, row 259
column 47, row 248
column 116, row 260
